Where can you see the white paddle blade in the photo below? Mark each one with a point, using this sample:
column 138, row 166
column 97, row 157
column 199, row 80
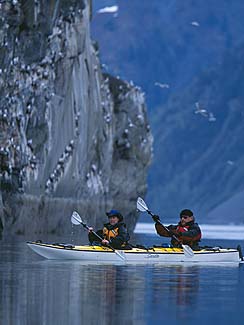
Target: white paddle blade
column 75, row 218
column 188, row 251
column 141, row 205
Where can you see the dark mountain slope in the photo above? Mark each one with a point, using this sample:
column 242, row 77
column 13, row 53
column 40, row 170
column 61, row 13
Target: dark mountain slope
column 199, row 162
column 196, row 48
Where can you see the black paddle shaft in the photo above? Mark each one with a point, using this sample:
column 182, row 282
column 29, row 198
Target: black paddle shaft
column 93, row 232
column 168, row 231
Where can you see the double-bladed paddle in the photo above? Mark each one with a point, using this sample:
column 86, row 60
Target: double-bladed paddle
column 141, row 206
column 76, row 220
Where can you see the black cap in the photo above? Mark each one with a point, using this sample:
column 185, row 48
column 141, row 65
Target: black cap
column 186, row 212
column 115, row 213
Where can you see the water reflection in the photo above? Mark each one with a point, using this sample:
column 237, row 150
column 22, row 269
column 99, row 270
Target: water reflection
column 178, row 284
column 35, row 291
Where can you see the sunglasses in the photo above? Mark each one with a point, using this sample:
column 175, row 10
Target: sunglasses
column 184, row 217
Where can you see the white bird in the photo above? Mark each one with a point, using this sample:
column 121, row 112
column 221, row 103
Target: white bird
column 68, row 149
column 200, row 110
column 104, row 66
column 109, row 10
column 126, row 131
column 195, row 23
column 211, row 117
column 161, row 85
column 52, row 177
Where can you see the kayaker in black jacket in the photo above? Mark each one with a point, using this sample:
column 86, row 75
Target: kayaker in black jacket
column 114, row 232
column 187, row 230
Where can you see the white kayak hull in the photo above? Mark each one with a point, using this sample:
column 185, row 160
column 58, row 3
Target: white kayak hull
column 135, row 255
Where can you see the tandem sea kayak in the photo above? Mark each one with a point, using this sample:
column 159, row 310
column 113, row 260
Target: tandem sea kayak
column 135, row 255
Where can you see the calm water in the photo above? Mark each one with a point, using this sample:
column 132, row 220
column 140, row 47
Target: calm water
column 37, row 291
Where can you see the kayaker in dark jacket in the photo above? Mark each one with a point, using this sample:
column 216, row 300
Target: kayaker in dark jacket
column 187, row 230
column 114, row 232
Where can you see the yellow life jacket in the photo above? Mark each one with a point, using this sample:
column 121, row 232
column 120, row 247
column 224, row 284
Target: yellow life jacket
column 108, row 234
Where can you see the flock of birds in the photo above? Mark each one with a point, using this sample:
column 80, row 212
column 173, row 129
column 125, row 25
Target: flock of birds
column 27, row 89
column 198, row 110
column 59, row 169
column 203, row 112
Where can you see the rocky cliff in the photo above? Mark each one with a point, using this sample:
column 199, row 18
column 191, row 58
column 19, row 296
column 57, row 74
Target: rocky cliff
column 71, row 137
